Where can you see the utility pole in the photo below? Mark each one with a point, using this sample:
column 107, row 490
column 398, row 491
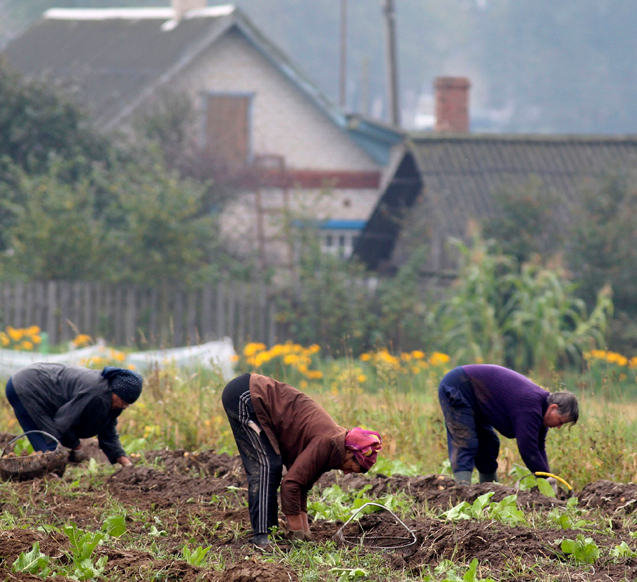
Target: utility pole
column 343, row 59
column 391, row 60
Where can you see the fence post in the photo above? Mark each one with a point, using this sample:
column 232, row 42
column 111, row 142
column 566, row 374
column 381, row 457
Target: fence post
column 52, row 313
column 207, row 329
column 221, row 313
column 129, row 323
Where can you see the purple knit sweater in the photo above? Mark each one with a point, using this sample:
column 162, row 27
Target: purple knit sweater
column 515, row 407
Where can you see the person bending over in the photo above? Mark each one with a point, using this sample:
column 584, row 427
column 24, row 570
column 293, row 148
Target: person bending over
column 274, row 425
column 479, row 398
column 73, row 403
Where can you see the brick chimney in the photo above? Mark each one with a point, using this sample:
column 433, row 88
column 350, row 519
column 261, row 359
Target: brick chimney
column 452, row 104
column 182, row 6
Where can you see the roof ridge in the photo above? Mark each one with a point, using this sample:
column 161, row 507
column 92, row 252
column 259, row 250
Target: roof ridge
column 417, row 137
column 151, row 13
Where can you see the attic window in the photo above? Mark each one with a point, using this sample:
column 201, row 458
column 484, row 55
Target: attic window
column 228, row 130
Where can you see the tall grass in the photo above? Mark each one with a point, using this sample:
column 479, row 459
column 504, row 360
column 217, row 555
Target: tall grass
column 183, row 410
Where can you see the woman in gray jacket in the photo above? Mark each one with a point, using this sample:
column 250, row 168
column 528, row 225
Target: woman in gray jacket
column 72, row 403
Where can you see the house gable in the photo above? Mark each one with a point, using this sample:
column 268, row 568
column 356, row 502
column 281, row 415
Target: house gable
column 117, row 58
column 459, row 175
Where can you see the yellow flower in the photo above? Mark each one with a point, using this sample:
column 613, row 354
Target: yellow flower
column 438, row 358
column 234, row 358
column 417, row 355
column 362, row 378
column 405, row 357
column 252, row 348
column 365, row 357
column 415, row 370
column 117, row 356
column 27, row 345
column 303, row 384
column 4, row 340
column 14, row 334
column 36, row 339
column 314, row 348
column 81, row 340
column 315, row 374
column 33, row 330
column 290, row 359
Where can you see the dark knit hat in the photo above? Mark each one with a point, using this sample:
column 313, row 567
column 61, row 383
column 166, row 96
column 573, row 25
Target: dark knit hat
column 125, row 383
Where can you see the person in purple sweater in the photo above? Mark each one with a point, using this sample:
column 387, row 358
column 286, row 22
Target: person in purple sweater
column 479, row 398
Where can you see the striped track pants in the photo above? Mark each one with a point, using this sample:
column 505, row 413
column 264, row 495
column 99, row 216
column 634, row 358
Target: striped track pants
column 262, row 465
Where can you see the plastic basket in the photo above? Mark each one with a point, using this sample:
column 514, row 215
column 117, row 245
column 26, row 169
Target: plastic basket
column 34, row 465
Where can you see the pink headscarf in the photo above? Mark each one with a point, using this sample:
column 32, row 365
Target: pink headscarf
column 366, row 445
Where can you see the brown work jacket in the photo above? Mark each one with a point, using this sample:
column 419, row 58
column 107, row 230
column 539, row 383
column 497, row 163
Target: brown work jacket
column 302, row 432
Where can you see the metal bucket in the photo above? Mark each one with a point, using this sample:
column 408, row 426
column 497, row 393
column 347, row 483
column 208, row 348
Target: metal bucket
column 25, row 468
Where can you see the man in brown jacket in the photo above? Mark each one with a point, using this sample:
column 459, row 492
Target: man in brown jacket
column 275, row 424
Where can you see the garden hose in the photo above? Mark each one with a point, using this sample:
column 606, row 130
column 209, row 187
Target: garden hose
column 556, row 477
column 543, row 474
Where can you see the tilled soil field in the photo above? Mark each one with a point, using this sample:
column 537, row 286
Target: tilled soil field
column 174, row 498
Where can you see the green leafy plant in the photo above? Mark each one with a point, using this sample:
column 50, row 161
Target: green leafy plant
column 505, row 510
column 115, row 525
column 349, row 573
column 196, row 557
column 623, row 550
column 338, row 505
column 581, row 550
column 570, row 516
column 33, row 562
column 82, row 546
column 449, row 570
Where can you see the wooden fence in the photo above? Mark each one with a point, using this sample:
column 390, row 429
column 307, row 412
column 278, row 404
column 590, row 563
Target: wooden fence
column 127, row 315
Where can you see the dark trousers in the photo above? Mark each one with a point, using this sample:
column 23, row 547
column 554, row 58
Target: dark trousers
column 471, row 441
column 260, row 461
column 38, row 441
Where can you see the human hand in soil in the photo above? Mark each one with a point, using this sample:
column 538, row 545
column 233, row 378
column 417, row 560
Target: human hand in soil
column 124, row 461
column 78, row 455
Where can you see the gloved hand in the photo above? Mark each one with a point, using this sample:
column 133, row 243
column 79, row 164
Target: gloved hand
column 553, row 483
column 78, row 455
column 295, row 535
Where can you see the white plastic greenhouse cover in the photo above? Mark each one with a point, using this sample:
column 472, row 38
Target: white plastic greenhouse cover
column 217, row 354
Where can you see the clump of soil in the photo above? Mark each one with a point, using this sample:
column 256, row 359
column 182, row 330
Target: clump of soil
column 205, row 463
column 253, row 571
column 609, row 496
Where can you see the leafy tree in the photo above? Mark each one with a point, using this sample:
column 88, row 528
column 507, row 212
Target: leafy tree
column 38, row 121
column 602, row 249
column 55, row 234
column 157, row 227
column 154, row 227
column 526, row 223
column 603, row 241
column 328, row 302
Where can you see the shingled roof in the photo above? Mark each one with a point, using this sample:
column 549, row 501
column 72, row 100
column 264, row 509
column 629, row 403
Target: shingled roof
column 458, row 175
column 117, row 57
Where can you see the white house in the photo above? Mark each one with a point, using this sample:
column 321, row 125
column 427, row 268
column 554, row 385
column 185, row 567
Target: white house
column 260, row 118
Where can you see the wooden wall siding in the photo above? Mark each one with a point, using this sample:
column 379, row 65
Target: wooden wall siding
column 130, row 316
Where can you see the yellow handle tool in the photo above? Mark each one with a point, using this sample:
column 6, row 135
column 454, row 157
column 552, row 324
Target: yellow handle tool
column 543, row 474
